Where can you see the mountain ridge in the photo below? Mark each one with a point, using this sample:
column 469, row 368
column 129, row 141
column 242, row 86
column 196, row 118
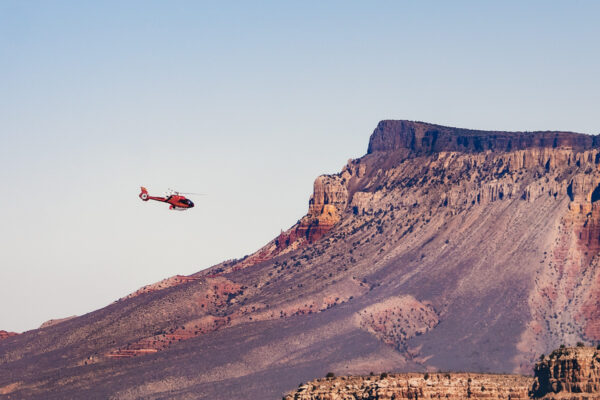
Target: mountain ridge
column 408, row 259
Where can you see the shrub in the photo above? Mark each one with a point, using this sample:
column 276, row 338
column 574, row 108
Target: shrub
column 562, row 346
column 330, row 375
column 383, row 375
column 598, row 347
column 580, row 344
column 541, row 357
column 426, row 376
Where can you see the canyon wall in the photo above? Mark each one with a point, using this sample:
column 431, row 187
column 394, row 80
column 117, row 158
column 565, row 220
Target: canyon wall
column 568, row 373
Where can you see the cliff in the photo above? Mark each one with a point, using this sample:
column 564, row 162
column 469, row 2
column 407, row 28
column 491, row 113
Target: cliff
column 450, row 386
column 568, row 373
column 424, row 138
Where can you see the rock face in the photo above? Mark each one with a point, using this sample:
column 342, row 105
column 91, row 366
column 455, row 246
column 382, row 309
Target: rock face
column 440, row 249
column 455, row 386
column 424, row 138
column 325, row 208
column 568, row 373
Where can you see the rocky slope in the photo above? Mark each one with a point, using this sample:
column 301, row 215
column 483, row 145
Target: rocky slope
column 441, row 248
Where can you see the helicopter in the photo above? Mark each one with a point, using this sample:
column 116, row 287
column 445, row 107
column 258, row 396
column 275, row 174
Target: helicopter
column 176, row 200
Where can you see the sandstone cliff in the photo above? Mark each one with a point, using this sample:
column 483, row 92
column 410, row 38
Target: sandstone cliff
column 425, row 138
column 568, row 373
column 455, row 386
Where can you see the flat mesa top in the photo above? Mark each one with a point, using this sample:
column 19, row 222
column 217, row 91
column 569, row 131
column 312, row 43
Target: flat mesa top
column 422, row 137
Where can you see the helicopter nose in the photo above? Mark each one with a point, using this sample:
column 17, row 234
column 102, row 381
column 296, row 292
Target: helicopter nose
column 191, row 204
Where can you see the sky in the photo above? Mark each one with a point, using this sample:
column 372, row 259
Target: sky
column 247, row 102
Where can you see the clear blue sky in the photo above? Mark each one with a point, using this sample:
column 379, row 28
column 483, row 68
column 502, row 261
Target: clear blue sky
column 245, row 101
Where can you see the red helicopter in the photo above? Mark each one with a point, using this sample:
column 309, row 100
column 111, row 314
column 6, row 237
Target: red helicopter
column 175, row 199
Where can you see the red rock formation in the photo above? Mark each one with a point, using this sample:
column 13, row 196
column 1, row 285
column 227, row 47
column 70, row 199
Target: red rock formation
column 325, row 208
column 326, row 204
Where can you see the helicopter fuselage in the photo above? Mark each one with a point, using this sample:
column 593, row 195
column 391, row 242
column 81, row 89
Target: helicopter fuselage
column 176, row 201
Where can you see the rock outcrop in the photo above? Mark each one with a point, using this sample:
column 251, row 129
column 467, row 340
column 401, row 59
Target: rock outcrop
column 568, row 373
column 450, row 386
column 425, row 138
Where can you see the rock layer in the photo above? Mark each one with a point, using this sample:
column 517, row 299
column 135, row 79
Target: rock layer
column 424, row 138
column 567, row 373
column 572, row 373
column 455, row 386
